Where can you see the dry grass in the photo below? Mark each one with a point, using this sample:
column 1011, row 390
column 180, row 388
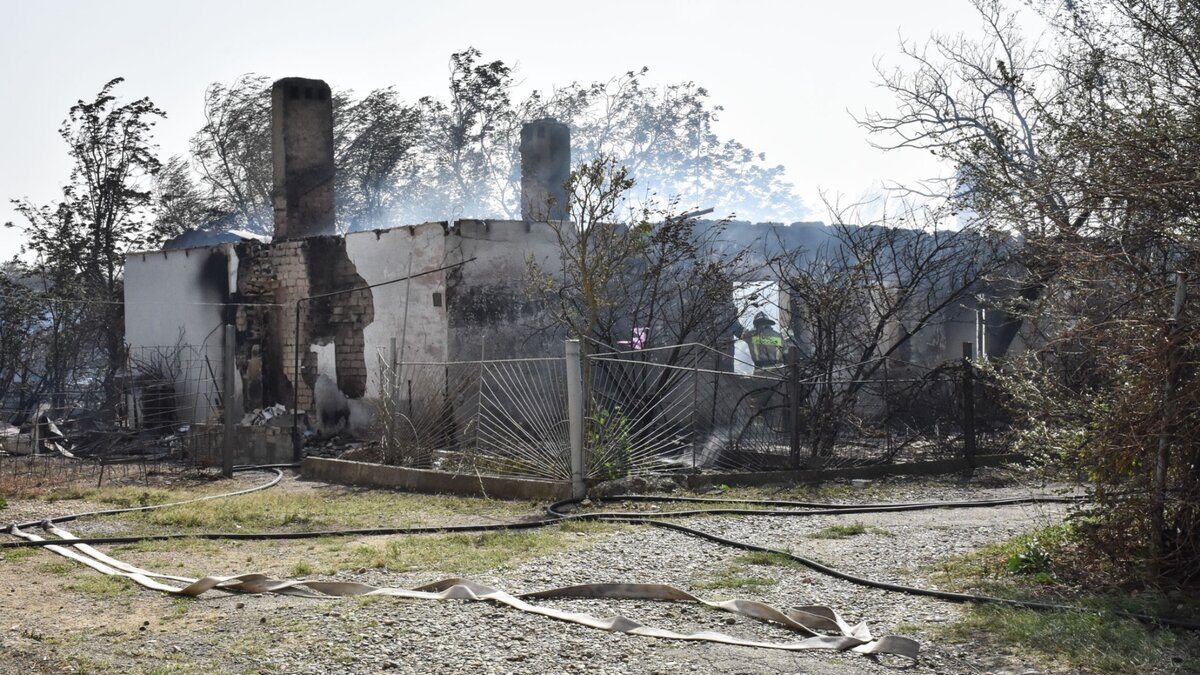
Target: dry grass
column 316, row 509
column 451, row 554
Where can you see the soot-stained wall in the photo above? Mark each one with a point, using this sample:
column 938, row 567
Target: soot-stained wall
column 412, row 312
column 177, row 299
column 491, row 314
column 344, row 339
column 480, row 310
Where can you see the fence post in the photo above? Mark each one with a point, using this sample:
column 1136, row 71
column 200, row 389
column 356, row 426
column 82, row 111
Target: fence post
column 968, row 404
column 695, row 407
column 793, row 371
column 575, row 416
column 1162, row 460
column 229, row 368
column 391, row 395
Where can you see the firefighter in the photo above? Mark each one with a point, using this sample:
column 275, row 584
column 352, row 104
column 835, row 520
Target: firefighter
column 766, row 350
column 766, row 345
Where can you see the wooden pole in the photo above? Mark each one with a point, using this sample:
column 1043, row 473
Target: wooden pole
column 1158, row 495
column 968, row 404
column 793, row 371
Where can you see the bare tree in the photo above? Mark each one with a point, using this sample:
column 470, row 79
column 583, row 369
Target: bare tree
column 80, row 243
column 232, row 151
column 866, row 294
column 641, row 269
column 991, row 107
column 1086, row 151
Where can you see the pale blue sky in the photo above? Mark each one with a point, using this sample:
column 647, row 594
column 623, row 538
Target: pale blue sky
column 787, row 73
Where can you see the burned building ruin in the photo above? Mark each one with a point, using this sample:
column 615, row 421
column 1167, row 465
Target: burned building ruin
column 319, row 317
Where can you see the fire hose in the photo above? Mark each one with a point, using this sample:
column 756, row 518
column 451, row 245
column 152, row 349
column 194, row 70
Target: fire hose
column 813, row 622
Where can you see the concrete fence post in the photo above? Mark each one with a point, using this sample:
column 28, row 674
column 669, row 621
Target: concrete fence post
column 229, row 399
column 574, row 363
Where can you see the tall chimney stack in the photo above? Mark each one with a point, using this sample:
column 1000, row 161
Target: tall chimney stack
column 302, row 152
column 545, row 167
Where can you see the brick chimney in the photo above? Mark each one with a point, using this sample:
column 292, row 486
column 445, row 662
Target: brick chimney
column 302, row 152
column 545, row 167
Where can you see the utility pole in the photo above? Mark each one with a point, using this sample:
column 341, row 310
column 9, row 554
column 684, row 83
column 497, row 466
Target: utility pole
column 793, row 371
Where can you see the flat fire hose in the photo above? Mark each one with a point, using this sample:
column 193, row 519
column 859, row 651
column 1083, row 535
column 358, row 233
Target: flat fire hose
column 814, row 622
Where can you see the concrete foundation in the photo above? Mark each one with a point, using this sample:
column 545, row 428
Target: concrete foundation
column 252, row 445
column 432, row 482
column 437, row 482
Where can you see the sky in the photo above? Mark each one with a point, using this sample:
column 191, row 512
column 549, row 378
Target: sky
column 790, row 74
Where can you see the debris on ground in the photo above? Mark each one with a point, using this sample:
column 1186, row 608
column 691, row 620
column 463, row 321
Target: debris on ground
column 261, row 416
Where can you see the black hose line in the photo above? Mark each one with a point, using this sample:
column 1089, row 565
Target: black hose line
column 814, row 508
column 908, row 590
column 270, row 536
column 555, row 510
column 558, row 515
column 822, row 505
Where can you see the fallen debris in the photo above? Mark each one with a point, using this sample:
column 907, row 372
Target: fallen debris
column 261, row 416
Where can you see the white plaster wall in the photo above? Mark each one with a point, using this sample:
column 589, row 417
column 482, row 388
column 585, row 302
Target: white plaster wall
column 421, row 332
column 492, row 316
column 168, row 301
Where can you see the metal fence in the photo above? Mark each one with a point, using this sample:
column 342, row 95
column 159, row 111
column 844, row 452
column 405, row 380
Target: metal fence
column 506, row 417
column 675, row 409
column 152, row 411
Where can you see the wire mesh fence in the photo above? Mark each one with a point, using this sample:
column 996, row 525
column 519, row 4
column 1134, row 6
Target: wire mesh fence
column 505, row 417
column 692, row 413
column 103, row 422
column 641, row 415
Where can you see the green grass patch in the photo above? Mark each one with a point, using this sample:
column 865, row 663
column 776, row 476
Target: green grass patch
column 181, row 605
column 1092, row 642
column 733, row 580
column 1009, row 567
column 766, row 559
column 18, row 554
column 57, row 567
column 738, row 575
column 846, row 531
column 301, row 569
column 1041, row 565
column 120, row 497
column 103, row 585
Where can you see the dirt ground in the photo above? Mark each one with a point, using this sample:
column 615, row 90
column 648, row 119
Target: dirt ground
column 58, row 616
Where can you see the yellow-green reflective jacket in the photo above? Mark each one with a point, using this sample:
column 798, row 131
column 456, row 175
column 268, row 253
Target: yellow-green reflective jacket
column 766, row 348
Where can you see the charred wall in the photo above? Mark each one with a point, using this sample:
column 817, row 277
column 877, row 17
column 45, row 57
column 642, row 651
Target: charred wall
column 336, row 314
column 272, row 280
column 491, row 313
